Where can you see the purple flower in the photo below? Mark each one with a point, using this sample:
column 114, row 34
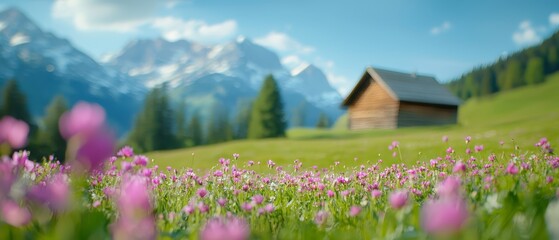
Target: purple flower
column 218, row 173
column 269, row 208
column 203, row 207
column 219, row 228
column 135, row 220
column 445, row 138
column 96, row 149
column 134, row 197
column 236, row 156
column 15, row 215
column 512, row 169
column 354, row 211
column 53, row 194
column 126, row 151
column 321, row 217
column 450, row 187
column 459, row 167
column 83, row 119
column 444, row 216
column 398, row 199
column 468, row 139
column 140, row 160
column 202, row 192
column 188, row 209
column 246, row 206
column 331, row 193
column 258, row 199
column 13, row 131
column 222, row 201
column 478, row 148
column 376, row 193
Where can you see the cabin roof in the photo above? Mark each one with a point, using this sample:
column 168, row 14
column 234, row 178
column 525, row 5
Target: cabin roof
column 407, row 87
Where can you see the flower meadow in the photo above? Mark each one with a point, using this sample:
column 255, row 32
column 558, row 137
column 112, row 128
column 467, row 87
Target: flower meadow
column 105, row 193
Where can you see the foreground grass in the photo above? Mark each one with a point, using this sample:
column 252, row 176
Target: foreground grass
column 518, row 117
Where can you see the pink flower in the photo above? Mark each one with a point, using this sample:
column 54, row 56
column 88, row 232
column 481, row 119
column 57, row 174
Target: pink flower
column 219, row 228
column 478, row 148
column 13, row 131
column 445, row 138
column 96, row 149
column 449, row 150
column 459, row 167
column 354, row 211
column 188, row 209
column 203, row 207
column 398, row 199
column 246, row 206
column 15, row 215
column 468, row 139
column 218, row 173
column 449, row 187
column 269, row 208
column 134, row 197
column 512, row 169
column 376, row 193
column 140, row 160
column 222, row 201
column 83, row 119
column 258, row 199
column 444, row 216
column 126, row 151
column 321, row 217
column 202, row 192
column 135, row 219
column 54, row 193
column 331, row 193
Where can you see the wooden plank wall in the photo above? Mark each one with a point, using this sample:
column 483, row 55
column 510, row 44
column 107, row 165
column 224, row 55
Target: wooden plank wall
column 416, row 114
column 374, row 108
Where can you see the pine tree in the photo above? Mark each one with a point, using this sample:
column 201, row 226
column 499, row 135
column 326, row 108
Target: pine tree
column 514, row 75
column 323, row 121
column 153, row 128
column 49, row 136
column 298, row 117
column 14, row 103
column 552, row 60
column 181, row 132
column 219, row 128
column 487, row 82
column 534, row 71
column 242, row 120
column 195, row 131
column 267, row 118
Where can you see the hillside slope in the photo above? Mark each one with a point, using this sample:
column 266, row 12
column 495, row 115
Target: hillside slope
column 521, row 116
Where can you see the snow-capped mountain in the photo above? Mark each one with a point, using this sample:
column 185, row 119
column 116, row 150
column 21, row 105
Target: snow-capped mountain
column 225, row 73
column 45, row 65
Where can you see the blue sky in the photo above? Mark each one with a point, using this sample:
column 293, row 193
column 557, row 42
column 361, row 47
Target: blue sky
column 442, row 38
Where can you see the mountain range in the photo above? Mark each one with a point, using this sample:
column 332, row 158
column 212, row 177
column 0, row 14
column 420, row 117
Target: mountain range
column 200, row 76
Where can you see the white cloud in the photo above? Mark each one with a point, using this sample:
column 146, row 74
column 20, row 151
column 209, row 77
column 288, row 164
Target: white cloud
column 281, row 42
column 445, row 26
column 554, row 19
column 174, row 29
column 339, row 82
column 106, row 15
column 292, row 61
column 525, row 34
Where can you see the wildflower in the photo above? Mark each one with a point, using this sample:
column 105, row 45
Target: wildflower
column 203, row 207
column 512, row 169
column 135, row 219
column 247, row 206
column 188, row 209
column 222, row 201
column 468, row 139
column 218, row 173
column 354, row 211
column 459, row 167
column 140, row 160
column 202, row 192
column 444, row 216
column 53, row 194
column 126, row 151
column 376, row 193
column 15, row 215
column 13, row 131
column 258, row 199
column 269, row 208
column 478, row 148
column 449, row 187
column 83, row 119
column 449, row 150
column 321, row 217
column 236, row 156
column 219, row 228
column 330, row 193
column 398, row 199
column 445, row 138
column 96, row 149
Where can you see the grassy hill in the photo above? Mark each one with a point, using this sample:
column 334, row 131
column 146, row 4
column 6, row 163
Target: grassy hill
column 521, row 116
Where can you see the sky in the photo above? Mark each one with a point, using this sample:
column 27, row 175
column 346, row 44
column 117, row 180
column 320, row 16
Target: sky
column 435, row 37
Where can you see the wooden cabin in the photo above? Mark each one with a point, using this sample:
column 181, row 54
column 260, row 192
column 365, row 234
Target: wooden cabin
column 388, row 99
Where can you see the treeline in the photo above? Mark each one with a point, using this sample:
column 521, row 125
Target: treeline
column 159, row 126
column 526, row 67
column 44, row 135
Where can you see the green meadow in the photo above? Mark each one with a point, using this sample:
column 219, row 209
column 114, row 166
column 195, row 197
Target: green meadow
column 517, row 117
